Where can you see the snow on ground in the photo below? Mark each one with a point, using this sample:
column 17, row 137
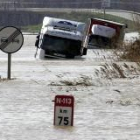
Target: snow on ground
column 107, row 107
column 130, row 37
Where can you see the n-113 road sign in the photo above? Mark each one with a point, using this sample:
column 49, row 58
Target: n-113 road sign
column 63, row 110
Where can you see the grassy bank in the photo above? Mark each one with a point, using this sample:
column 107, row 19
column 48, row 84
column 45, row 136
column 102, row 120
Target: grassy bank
column 82, row 17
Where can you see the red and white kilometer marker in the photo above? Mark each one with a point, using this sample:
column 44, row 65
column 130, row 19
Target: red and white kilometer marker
column 63, row 110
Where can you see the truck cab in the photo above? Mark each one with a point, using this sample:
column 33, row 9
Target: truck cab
column 60, row 38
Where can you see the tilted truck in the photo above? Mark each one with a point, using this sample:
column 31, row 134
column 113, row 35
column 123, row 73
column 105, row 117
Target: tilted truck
column 60, row 38
column 101, row 33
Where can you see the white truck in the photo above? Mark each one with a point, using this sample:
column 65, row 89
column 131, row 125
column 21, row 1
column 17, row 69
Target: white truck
column 60, row 38
column 101, row 33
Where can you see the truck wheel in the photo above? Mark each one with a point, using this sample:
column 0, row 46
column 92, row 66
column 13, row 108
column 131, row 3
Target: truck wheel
column 70, row 56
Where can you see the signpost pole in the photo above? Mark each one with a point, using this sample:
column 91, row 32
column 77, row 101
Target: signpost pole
column 104, row 11
column 11, row 41
column 9, row 66
column 105, row 4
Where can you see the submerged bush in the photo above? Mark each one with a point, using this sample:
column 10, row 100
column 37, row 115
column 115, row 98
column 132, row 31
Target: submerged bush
column 129, row 51
column 132, row 51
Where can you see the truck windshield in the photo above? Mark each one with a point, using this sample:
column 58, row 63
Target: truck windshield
column 61, row 45
column 99, row 41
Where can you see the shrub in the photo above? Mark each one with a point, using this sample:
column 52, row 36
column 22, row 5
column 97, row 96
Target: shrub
column 129, row 51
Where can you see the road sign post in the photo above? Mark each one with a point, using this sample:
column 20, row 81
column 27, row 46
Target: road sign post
column 63, row 110
column 105, row 4
column 9, row 66
column 11, row 40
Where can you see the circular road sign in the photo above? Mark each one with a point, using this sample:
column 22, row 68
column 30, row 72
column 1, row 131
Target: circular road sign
column 11, row 39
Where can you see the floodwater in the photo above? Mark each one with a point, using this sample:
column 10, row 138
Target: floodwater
column 104, row 109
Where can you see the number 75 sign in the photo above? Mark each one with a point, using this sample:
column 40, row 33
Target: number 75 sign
column 63, row 110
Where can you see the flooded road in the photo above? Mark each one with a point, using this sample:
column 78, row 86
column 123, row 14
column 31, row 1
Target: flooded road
column 105, row 108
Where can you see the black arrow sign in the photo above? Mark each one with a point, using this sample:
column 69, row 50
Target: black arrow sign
column 9, row 39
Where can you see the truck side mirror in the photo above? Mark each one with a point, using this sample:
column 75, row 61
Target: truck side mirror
column 37, row 41
column 126, row 26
